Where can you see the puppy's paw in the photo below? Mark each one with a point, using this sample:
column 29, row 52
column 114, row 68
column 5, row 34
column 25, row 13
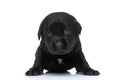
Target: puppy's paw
column 33, row 72
column 91, row 72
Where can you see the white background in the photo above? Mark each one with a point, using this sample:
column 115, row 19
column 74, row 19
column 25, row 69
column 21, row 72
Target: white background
column 100, row 37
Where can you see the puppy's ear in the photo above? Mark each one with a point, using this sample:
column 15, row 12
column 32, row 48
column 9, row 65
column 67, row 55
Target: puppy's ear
column 78, row 27
column 40, row 31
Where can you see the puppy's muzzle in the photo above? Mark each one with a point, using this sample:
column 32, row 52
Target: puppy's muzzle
column 59, row 45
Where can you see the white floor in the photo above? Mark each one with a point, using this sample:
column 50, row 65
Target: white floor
column 62, row 77
column 71, row 75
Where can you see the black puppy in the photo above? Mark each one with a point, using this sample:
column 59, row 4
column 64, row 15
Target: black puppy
column 60, row 47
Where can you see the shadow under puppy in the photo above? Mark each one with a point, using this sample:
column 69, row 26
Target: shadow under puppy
column 60, row 47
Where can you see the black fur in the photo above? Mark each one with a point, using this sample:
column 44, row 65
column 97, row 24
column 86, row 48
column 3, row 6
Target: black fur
column 60, row 47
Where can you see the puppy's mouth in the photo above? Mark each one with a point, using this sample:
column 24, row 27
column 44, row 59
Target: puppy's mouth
column 60, row 52
column 59, row 47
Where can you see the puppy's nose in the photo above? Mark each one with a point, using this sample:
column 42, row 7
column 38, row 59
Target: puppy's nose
column 59, row 45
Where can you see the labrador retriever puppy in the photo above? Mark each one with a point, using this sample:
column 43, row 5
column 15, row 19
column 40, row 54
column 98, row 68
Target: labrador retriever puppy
column 60, row 46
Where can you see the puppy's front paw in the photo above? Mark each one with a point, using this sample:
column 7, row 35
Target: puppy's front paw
column 34, row 72
column 91, row 72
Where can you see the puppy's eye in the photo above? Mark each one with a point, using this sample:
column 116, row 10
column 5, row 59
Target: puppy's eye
column 49, row 34
column 66, row 31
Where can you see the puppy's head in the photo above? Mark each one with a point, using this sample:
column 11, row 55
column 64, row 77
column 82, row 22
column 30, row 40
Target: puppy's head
column 59, row 32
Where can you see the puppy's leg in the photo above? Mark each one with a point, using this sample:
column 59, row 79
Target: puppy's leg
column 37, row 67
column 83, row 66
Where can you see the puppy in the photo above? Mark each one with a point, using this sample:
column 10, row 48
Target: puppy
column 60, row 47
